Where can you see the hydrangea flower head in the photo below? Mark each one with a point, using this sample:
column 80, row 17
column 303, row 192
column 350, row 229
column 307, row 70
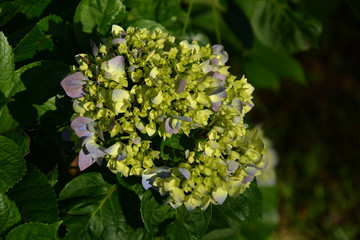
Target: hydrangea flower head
column 169, row 113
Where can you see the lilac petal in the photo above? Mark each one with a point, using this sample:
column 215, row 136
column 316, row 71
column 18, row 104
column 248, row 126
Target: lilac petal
column 219, row 50
column 94, row 48
column 215, row 105
column 215, row 62
column 95, row 150
column 79, row 125
column 181, row 85
column 220, row 76
column 185, row 173
column 136, row 141
column 112, row 124
column 248, row 104
column 73, row 84
column 117, row 41
column 168, row 127
column 85, row 160
column 186, row 119
column 247, row 179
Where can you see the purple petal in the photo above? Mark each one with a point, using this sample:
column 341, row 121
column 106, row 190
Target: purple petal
column 181, row 85
column 136, row 141
column 73, row 84
column 168, row 127
column 215, row 105
column 186, row 119
column 85, row 160
column 237, row 104
column 215, row 62
column 94, row 48
column 185, row 173
column 219, row 50
column 116, row 41
column 220, row 76
column 206, row 67
column 218, row 91
column 95, row 150
column 80, row 124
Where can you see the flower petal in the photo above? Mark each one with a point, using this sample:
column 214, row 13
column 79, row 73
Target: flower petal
column 80, row 124
column 73, row 84
column 85, row 160
column 185, row 173
column 94, row 48
column 95, row 150
column 219, row 195
column 181, row 85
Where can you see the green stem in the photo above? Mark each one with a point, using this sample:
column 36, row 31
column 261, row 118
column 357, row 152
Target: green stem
column 187, row 17
column 216, row 22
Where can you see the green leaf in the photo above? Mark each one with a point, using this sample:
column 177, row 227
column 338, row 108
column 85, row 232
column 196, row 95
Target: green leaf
column 280, row 63
column 173, row 149
column 190, row 225
column 9, row 214
column 38, row 231
column 246, row 207
column 99, row 15
column 20, row 138
column 12, row 163
column 35, row 197
column 131, row 183
column 32, row 8
column 92, row 209
column 278, row 26
column 261, row 76
column 149, row 24
column 7, row 66
column 36, row 40
column 153, row 213
column 53, row 176
column 8, row 11
column 49, row 105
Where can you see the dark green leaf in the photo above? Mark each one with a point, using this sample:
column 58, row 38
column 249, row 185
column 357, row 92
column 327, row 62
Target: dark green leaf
column 244, row 208
column 261, row 76
column 173, row 149
column 38, row 231
column 8, row 11
column 20, row 138
column 7, row 66
column 12, row 163
column 149, row 24
column 99, row 15
column 278, row 26
column 190, row 225
column 49, row 105
column 280, row 63
column 32, row 8
column 36, row 40
column 92, row 209
column 9, row 214
column 132, row 183
column 154, row 213
column 35, row 197
column 53, row 176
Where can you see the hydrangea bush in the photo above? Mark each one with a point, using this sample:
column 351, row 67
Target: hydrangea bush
column 168, row 112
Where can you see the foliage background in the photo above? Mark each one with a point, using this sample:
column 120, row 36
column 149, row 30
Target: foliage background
column 304, row 67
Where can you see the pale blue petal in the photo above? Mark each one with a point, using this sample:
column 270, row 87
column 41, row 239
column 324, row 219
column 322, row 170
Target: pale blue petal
column 79, row 125
column 85, row 160
column 95, row 150
column 73, row 84
column 185, row 173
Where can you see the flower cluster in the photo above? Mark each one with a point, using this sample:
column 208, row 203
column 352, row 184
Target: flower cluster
column 140, row 90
